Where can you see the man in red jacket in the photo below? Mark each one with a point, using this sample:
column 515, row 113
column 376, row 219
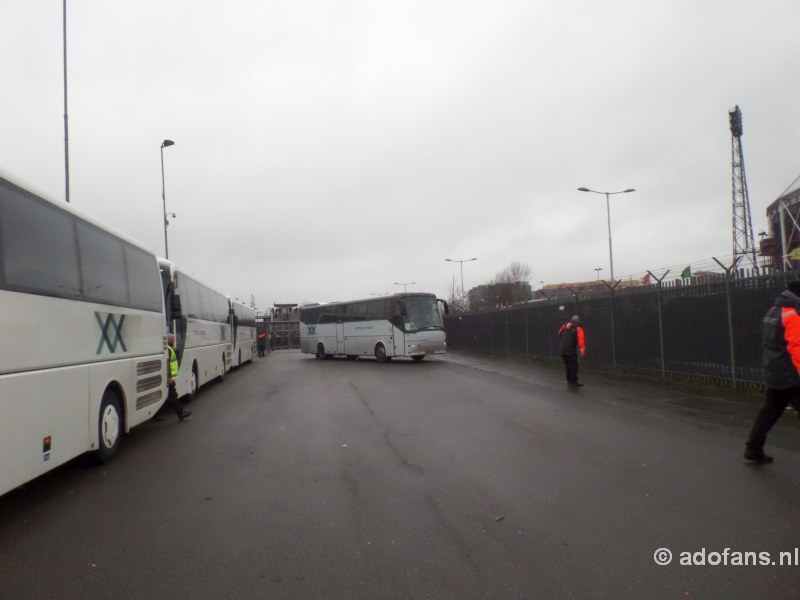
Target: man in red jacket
column 781, row 343
column 571, row 343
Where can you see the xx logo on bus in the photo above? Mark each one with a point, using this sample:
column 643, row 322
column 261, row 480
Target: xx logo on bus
column 105, row 340
column 312, row 330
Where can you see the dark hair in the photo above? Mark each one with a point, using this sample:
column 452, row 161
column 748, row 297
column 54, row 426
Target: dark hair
column 794, row 287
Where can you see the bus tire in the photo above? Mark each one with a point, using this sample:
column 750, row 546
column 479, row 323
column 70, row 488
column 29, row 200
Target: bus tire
column 193, row 385
column 418, row 358
column 320, row 351
column 221, row 376
column 109, row 426
column 380, row 353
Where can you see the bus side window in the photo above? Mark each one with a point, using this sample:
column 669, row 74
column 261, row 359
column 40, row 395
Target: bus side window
column 176, row 305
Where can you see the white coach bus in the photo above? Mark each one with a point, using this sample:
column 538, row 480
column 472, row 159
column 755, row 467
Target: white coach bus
column 243, row 332
column 82, row 347
column 199, row 317
column 397, row 325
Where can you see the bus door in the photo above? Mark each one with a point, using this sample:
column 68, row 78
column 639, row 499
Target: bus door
column 340, row 338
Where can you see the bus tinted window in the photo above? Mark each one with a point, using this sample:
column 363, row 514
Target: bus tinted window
column 144, row 288
column 103, row 266
column 377, row 310
column 358, row 311
column 39, row 251
column 190, row 303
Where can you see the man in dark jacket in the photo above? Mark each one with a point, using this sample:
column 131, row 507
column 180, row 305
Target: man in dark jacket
column 781, row 346
column 571, row 343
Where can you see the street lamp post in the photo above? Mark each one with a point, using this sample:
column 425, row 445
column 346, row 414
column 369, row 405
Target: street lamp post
column 165, row 144
column 598, row 269
column 405, row 285
column 608, row 212
column 66, row 117
column 462, row 268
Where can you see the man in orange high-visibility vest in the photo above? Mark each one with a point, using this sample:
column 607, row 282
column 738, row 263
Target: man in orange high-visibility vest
column 781, row 345
column 572, row 343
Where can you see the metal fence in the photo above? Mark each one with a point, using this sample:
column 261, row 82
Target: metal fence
column 699, row 328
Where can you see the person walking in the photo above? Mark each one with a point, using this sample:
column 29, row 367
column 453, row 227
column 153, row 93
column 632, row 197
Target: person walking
column 781, row 358
column 571, row 342
column 172, row 394
column 262, row 343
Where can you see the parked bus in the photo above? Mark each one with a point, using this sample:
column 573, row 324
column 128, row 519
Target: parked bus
column 243, row 332
column 397, row 325
column 82, row 345
column 199, row 317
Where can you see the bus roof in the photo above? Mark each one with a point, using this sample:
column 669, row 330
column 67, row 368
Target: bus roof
column 373, row 299
column 165, row 262
column 69, row 208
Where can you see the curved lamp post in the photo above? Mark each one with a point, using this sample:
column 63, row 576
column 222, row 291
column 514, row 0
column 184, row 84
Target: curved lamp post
column 462, row 268
column 165, row 144
column 608, row 212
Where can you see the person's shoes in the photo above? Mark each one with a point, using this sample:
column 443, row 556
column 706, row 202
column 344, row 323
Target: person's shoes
column 184, row 415
column 575, row 384
column 757, row 458
column 159, row 418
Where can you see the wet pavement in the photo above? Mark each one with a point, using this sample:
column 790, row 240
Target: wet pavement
column 707, row 405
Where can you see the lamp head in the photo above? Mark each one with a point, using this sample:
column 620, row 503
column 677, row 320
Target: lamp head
column 166, row 143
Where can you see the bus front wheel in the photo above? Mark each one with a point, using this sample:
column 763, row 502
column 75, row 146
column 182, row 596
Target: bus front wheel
column 194, row 384
column 380, row 353
column 418, row 358
column 109, row 426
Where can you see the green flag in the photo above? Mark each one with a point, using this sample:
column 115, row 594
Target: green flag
column 687, row 272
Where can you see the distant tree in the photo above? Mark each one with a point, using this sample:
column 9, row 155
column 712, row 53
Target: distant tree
column 510, row 286
column 456, row 300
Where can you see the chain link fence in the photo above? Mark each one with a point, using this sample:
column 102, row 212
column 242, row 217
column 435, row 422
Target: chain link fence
column 704, row 328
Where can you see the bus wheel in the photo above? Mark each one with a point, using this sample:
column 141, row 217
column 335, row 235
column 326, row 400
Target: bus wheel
column 193, row 385
column 380, row 353
column 320, row 351
column 109, row 426
column 221, row 376
column 418, row 358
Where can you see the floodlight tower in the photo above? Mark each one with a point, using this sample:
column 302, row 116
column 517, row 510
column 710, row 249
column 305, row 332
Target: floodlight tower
column 744, row 248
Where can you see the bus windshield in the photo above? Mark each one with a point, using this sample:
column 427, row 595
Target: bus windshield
column 422, row 312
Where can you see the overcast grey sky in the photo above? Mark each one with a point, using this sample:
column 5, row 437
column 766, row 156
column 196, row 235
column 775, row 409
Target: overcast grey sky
column 327, row 149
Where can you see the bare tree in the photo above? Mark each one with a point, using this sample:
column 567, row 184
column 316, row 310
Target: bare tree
column 456, row 299
column 510, row 286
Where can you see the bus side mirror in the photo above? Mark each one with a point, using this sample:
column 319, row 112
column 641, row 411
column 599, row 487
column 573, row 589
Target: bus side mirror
column 444, row 303
column 176, row 305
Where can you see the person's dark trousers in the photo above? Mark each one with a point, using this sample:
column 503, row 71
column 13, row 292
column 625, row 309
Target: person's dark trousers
column 774, row 405
column 571, row 365
column 172, row 400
